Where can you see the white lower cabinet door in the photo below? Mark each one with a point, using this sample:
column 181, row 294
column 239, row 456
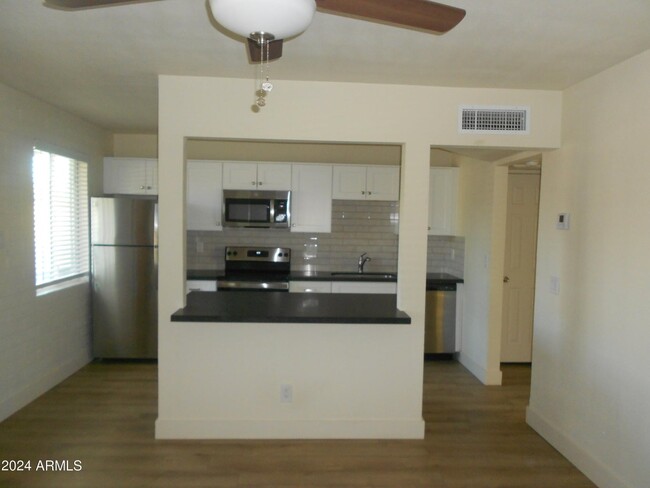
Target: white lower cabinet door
column 200, row 285
column 364, row 287
column 310, row 287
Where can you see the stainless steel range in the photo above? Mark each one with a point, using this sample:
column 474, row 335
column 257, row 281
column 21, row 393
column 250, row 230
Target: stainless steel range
column 256, row 269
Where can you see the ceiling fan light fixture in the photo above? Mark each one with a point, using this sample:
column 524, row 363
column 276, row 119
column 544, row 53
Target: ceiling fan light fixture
column 280, row 18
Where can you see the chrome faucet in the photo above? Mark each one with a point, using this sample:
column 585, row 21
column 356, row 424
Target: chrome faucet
column 363, row 259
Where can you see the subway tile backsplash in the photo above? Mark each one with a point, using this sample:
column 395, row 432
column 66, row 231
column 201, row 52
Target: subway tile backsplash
column 357, row 227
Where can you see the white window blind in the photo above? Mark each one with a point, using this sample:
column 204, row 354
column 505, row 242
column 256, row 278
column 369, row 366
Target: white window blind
column 60, row 217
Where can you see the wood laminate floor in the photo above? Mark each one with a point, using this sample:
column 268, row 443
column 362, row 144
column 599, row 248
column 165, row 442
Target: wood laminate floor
column 104, row 417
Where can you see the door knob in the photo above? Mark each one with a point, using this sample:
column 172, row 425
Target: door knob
column 506, row 279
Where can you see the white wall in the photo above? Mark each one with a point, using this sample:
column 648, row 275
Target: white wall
column 222, row 380
column 591, row 384
column 483, row 194
column 42, row 339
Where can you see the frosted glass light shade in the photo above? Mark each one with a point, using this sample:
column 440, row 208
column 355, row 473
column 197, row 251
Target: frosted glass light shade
column 282, row 18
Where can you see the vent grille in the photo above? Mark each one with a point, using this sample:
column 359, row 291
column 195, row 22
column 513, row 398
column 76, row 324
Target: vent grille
column 498, row 120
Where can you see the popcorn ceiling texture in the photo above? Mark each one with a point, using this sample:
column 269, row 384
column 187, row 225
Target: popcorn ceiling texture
column 357, row 227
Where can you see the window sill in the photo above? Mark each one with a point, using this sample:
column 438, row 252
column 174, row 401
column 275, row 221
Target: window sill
column 62, row 285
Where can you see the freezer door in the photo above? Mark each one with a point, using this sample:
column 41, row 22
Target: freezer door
column 124, row 221
column 125, row 308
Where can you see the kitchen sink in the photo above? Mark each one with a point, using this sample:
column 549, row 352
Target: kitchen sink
column 365, row 276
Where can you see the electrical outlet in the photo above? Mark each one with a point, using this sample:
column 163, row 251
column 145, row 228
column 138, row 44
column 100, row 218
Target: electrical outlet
column 286, row 393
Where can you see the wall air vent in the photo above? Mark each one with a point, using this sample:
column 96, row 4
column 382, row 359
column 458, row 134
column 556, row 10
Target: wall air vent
column 494, row 120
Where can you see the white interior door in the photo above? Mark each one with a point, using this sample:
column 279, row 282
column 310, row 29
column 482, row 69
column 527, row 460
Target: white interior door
column 519, row 268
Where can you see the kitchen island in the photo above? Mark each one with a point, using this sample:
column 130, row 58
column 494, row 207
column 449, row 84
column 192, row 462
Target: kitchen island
column 280, row 307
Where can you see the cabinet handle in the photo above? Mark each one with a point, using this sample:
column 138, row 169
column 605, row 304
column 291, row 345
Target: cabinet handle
column 429, row 228
column 363, row 192
column 259, row 183
column 369, row 193
column 142, row 187
column 148, row 188
column 253, row 183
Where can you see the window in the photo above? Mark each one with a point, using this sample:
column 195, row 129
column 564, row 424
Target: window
column 60, row 217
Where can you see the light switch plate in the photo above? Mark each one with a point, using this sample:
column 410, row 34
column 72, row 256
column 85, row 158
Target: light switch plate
column 563, row 221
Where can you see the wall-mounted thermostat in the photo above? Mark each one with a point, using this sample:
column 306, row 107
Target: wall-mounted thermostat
column 563, row 221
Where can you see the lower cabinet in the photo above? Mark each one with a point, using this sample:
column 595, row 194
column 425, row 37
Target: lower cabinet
column 310, row 287
column 364, row 287
column 200, row 285
column 342, row 287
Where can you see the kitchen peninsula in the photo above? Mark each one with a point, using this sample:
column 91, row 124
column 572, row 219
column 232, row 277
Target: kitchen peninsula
column 274, row 307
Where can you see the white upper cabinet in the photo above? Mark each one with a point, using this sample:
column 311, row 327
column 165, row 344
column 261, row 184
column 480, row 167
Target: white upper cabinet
column 204, row 195
column 382, row 183
column 443, row 201
column 130, row 176
column 357, row 182
column 311, row 198
column 256, row 176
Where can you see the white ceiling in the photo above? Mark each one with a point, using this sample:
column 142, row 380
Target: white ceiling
column 102, row 64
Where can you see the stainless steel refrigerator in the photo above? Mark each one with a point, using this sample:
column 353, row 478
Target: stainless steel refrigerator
column 125, row 277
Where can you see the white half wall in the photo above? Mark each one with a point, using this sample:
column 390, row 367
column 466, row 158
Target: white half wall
column 590, row 394
column 43, row 339
column 224, row 379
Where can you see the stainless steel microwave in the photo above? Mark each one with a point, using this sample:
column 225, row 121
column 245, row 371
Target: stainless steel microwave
column 265, row 209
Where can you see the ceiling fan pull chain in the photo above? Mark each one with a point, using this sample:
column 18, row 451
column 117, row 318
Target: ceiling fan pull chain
column 265, row 85
column 261, row 101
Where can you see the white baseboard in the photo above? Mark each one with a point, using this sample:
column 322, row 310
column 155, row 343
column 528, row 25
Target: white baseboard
column 290, row 429
column 595, row 470
column 31, row 392
column 487, row 377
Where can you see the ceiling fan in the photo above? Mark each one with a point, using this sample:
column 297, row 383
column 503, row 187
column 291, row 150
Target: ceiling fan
column 266, row 23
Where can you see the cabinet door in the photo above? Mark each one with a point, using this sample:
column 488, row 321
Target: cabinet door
column 349, row 182
column 239, row 176
column 274, row 176
column 374, row 287
column 311, row 198
column 204, row 195
column 126, row 176
column 310, row 287
column 151, row 176
column 382, row 183
column 200, row 285
column 443, row 193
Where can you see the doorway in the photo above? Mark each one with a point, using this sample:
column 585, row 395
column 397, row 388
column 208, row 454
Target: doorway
column 519, row 263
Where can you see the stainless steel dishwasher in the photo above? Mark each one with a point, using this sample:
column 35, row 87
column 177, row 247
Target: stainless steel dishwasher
column 440, row 319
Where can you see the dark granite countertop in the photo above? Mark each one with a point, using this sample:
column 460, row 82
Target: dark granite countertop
column 205, row 274
column 432, row 278
column 436, row 279
column 282, row 307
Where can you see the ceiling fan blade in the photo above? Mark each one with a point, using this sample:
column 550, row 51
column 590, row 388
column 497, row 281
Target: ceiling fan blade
column 255, row 52
column 81, row 4
column 418, row 14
